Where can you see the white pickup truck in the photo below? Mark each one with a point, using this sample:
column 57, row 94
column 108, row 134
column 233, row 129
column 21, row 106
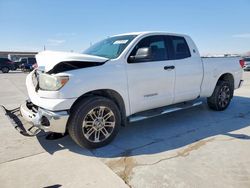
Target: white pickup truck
column 124, row 78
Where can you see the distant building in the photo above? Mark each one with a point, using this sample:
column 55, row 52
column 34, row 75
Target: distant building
column 247, row 54
column 15, row 55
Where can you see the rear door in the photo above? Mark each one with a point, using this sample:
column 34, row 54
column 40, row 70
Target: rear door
column 188, row 69
column 150, row 84
column 1, row 62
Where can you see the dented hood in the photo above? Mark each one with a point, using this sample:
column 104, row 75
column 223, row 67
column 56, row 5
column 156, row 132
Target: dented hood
column 47, row 60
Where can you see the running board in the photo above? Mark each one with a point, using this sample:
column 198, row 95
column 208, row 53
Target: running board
column 163, row 110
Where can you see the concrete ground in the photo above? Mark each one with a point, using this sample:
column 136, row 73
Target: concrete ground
column 197, row 147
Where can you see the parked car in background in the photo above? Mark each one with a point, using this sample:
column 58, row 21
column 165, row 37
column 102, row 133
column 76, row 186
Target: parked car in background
column 17, row 64
column 26, row 63
column 247, row 63
column 6, row 65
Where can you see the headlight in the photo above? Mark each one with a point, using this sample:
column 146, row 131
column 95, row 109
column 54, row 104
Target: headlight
column 52, row 83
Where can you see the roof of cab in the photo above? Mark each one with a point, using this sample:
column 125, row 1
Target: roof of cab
column 150, row 32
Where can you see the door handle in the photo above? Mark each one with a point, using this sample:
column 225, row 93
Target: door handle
column 169, row 67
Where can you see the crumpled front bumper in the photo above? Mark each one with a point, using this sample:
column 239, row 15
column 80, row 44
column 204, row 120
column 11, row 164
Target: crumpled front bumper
column 38, row 118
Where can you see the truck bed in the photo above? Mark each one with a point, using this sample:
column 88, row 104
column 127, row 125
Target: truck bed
column 214, row 67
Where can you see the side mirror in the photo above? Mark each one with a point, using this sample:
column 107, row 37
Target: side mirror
column 142, row 55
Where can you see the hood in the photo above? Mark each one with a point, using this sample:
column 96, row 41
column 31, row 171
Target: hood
column 47, row 60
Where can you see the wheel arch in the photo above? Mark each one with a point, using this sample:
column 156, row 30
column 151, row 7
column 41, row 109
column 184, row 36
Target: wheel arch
column 227, row 77
column 4, row 66
column 110, row 94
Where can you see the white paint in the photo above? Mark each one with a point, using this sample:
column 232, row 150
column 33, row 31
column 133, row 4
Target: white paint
column 192, row 77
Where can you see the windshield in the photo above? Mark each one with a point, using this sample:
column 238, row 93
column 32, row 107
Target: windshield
column 111, row 47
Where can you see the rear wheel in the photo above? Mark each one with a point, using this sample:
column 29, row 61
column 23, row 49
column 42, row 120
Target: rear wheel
column 94, row 122
column 221, row 96
column 5, row 69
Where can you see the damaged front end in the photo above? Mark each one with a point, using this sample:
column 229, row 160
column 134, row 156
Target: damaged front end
column 41, row 111
column 18, row 122
column 29, row 119
column 73, row 65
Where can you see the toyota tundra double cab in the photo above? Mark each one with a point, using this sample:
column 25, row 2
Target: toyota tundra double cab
column 124, row 78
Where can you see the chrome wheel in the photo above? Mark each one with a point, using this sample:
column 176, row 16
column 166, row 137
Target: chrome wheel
column 224, row 96
column 98, row 124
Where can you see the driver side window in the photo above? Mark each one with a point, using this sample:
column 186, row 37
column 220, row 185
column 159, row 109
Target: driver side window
column 157, row 48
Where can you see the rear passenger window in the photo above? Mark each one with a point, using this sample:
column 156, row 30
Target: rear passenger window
column 32, row 61
column 24, row 61
column 180, row 48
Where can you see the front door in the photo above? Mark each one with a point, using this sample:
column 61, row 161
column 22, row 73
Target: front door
column 151, row 82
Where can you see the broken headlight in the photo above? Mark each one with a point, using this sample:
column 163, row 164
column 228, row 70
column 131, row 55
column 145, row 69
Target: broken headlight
column 52, row 83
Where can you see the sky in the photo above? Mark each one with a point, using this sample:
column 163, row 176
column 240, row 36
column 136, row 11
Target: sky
column 216, row 26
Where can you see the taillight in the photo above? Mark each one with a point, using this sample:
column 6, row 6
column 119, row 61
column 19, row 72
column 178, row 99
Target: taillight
column 242, row 63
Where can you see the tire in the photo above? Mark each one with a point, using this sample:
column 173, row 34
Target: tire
column 221, row 96
column 5, row 69
column 91, row 119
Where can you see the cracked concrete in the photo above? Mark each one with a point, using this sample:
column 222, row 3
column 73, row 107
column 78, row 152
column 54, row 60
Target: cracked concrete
column 130, row 168
column 36, row 162
column 198, row 137
column 124, row 165
column 191, row 148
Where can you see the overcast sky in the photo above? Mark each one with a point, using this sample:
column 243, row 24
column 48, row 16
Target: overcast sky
column 217, row 26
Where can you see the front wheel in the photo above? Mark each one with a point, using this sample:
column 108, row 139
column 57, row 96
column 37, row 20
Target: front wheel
column 5, row 70
column 94, row 122
column 221, row 96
